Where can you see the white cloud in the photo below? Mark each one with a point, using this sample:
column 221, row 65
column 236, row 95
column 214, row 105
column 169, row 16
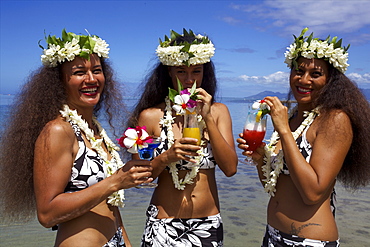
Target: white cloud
column 361, row 80
column 230, row 20
column 323, row 17
column 279, row 77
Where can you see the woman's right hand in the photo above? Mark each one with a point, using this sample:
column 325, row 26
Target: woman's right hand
column 134, row 173
column 183, row 149
column 278, row 113
column 257, row 155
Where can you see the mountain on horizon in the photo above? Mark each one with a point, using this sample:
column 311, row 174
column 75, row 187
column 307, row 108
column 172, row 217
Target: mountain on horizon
column 366, row 92
column 258, row 96
column 283, row 96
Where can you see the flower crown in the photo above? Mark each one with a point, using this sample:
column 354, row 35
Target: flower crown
column 309, row 47
column 199, row 51
column 70, row 45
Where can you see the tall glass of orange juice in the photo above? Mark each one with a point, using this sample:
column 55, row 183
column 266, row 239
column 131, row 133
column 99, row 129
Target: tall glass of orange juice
column 191, row 127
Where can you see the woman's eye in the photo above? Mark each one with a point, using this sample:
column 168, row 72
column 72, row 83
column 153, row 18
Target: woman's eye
column 316, row 74
column 97, row 71
column 79, row 73
column 299, row 72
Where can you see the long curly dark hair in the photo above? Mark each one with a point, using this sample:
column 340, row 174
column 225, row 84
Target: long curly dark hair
column 39, row 102
column 340, row 93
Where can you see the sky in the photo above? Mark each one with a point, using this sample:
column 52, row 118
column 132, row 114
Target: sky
column 250, row 36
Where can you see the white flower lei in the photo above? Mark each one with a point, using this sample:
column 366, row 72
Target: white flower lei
column 117, row 198
column 167, row 122
column 313, row 48
column 271, row 176
column 61, row 50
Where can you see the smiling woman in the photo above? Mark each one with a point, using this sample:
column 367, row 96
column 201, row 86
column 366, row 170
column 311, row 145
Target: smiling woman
column 84, row 80
column 56, row 156
column 322, row 140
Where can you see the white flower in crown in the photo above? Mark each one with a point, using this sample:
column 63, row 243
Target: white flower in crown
column 69, row 51
column 48, row 58
column 171, row 53
column 309, row 47
column 71, row 45
column 101, row 47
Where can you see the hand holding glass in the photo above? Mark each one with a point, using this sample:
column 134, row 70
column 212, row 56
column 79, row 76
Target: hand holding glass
column 147, row 154
column 253, row 133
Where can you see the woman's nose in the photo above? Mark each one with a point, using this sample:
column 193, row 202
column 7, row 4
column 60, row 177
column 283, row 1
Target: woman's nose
column 305, row 78
column 90, row 78
column 189, row 78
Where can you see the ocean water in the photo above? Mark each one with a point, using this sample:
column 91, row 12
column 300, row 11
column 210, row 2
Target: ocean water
column 243, row 204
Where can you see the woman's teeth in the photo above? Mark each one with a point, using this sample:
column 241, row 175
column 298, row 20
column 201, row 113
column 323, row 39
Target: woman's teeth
column 89, row 90
column 303, row 90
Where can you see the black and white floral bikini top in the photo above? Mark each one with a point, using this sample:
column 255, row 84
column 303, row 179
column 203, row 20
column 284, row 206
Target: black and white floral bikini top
column 304, row 147
column 207, row 162
column 306, row 150
column 88, row 167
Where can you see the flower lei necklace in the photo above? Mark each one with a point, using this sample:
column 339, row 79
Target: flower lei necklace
column 167, row 122
column 116, row 199
column 271, row 176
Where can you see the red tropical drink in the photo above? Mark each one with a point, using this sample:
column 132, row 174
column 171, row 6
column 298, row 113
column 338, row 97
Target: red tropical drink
column 254, row 138
column 254, row 130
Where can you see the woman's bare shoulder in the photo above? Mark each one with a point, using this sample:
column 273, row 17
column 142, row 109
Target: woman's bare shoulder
column 153, row 112
column 57, row 128
column 220, row 109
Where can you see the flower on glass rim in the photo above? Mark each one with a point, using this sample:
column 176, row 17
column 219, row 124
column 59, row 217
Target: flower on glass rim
column 135, row 138
column 262, row 107
column 260, row 104
column 183, row 102
column 183, row 99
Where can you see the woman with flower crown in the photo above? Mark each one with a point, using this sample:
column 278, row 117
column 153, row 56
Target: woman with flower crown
column 55, row 155
column 184, row 209
column 324, row 138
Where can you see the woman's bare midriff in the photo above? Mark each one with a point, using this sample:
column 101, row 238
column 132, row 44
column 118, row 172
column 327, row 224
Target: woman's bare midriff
column 195, row 201
column 288, row 213
column 94, row 228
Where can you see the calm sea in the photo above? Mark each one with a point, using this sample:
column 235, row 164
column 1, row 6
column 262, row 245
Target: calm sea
column 243, row 204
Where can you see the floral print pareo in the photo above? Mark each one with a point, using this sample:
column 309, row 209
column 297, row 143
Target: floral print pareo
column 202, row 232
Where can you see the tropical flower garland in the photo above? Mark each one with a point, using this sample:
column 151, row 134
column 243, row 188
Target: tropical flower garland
column 199, row 51
column 309, row 47
column 271, row 176
column 116, row 199
column 167, row 122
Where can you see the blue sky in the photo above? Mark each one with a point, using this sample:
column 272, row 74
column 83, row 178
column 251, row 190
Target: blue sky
column 250, row 36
